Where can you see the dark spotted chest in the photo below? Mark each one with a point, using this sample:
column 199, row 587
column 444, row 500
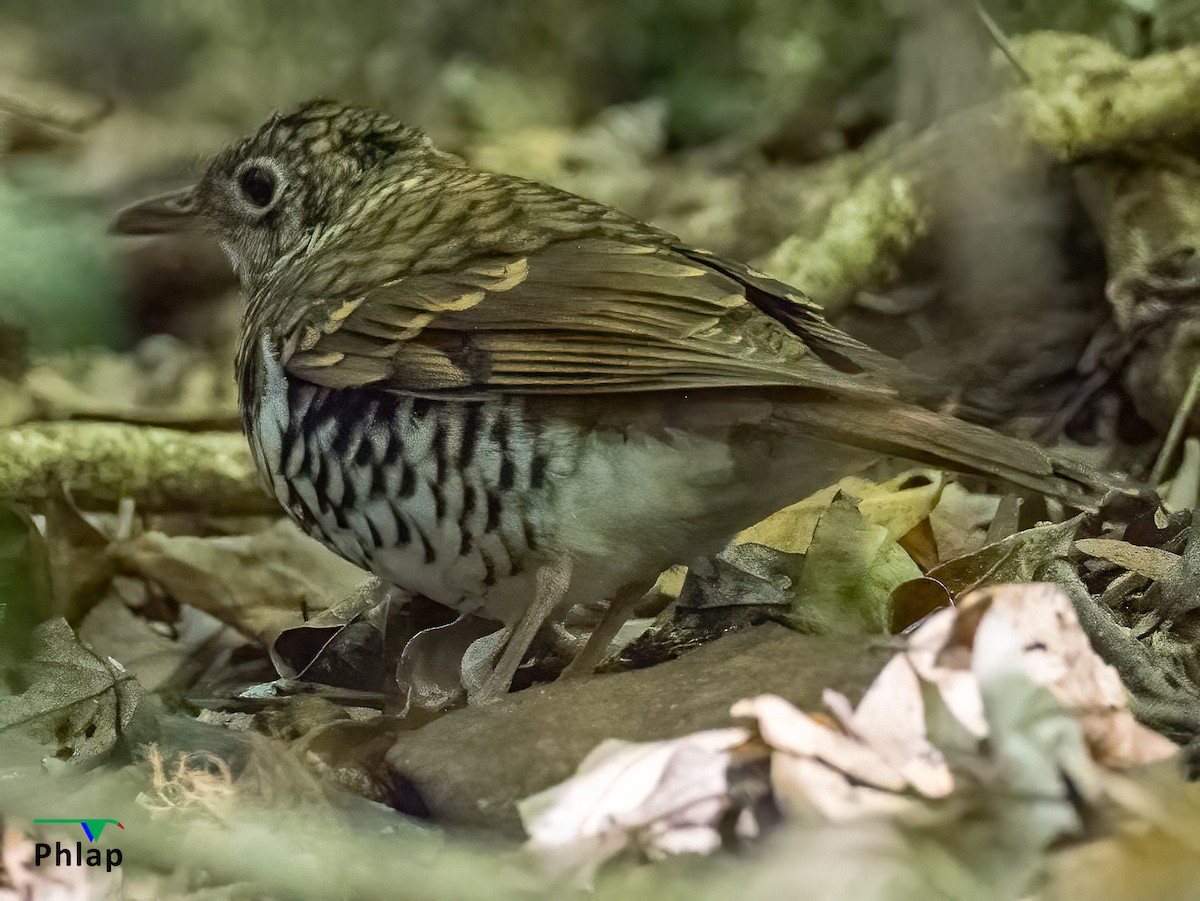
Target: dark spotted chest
column 443, row 498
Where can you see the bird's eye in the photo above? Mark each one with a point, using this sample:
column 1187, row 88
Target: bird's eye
column 258, row 186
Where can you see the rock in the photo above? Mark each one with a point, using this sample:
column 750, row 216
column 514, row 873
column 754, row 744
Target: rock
column 472, row 765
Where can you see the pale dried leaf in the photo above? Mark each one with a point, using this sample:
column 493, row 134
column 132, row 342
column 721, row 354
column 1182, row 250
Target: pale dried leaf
column 891, row 715
column 1054, row 653
column 22, row 878
column 152, row 652
column 792, row 732
column 801, row 783
column 1037, row 740
column 660, row 797
column 1151, row 562
column 1010, row 664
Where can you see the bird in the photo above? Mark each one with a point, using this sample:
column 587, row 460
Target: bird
column 511, row 399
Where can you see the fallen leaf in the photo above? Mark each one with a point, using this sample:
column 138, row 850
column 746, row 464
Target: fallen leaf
column 897, row 505
column 1023, row 557
column 849, row 573
column 442, row 665
column 914, row 600
column 156, row 655
column 786, row 729
column 892, row 717
column 259, row 583
column 665, row 797
column 76, row 703
column 815, row 767
column 1151, row 562
column 25, row 878
column 1052, row 651
column 1009, row 664
column 961, row 519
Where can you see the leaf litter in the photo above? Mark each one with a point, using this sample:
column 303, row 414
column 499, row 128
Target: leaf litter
column 992, row 688
column 999, row 692
column 1010, row 667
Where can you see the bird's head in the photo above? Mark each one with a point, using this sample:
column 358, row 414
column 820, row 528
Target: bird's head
column 266, row 197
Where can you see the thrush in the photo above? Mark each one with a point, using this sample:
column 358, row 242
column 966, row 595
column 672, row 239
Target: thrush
column 512, row 399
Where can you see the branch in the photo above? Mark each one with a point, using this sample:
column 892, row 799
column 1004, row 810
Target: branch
column 1087, row 99
column 160, row 469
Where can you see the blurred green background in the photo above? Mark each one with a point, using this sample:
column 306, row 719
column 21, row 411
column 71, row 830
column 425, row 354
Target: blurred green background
column 132, row 95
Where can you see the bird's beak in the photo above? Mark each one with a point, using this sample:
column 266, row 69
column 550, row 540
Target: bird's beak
column 164, row 214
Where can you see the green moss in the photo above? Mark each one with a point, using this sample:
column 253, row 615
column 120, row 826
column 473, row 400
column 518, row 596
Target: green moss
column 859, row 245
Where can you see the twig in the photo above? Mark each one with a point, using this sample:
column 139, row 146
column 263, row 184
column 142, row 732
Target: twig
column 1182, row 414
column 1001, row 41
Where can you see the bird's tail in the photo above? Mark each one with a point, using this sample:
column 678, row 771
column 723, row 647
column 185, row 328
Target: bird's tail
column 915, row 433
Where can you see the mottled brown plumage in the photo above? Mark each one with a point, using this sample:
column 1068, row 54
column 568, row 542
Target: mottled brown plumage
column 488, row 390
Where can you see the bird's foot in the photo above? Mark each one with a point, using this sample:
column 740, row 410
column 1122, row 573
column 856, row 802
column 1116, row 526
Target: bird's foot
column 552, row 583
column 597, row 645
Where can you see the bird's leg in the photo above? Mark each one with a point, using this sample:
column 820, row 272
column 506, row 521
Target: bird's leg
column 606, row 630
column 552, row 582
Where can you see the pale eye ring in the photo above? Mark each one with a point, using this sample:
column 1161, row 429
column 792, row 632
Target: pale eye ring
column 258, row 183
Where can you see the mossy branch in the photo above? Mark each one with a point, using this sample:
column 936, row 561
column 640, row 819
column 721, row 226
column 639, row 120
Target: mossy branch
column 160, row 469
column 1087, row 99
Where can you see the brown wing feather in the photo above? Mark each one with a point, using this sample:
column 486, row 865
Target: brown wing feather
column 578, row 316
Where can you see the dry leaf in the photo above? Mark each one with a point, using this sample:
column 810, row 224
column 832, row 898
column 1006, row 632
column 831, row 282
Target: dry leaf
column 841, row 776
column 892, row 716
column 1055, row 653
column 897, row 505
column 1010, row 664
column 961, row 519
column 1151, row 562
column 76, row 703
column 159, row 654
column 661, row 798
column 912, row 601
column 1024, row 557
column 259, row 583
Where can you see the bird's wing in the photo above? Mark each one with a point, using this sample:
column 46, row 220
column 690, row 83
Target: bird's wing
column 592, row 315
